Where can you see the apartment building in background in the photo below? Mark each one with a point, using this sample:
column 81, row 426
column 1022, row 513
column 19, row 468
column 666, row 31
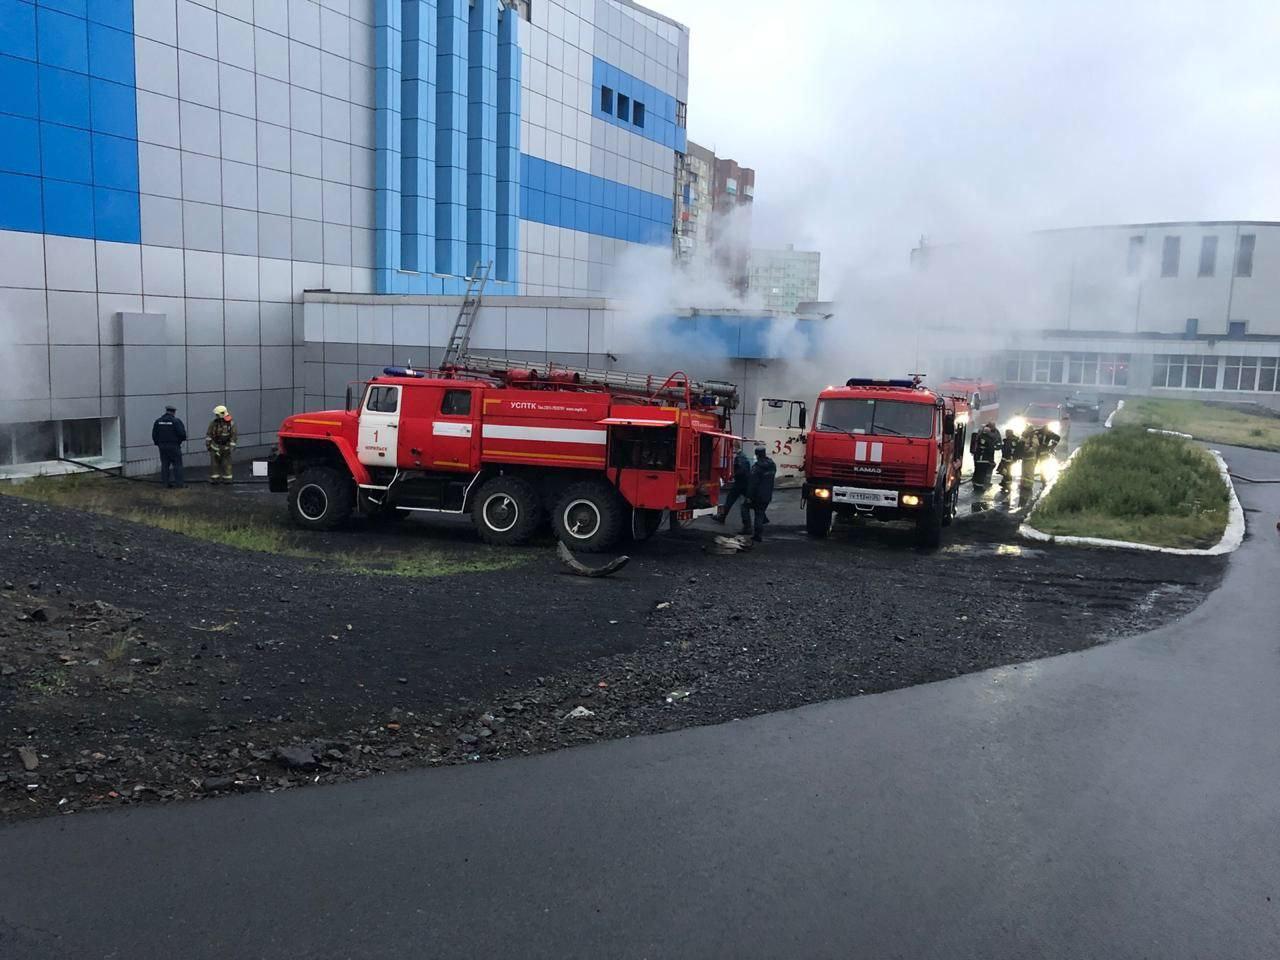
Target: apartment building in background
column 783, row 279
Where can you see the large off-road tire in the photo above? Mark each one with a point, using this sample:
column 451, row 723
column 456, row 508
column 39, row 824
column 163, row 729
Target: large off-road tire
column 506, row 511
column 589, row 516
column 929, row 525
column 817, row 518
column 952, row 502
column 321, row 498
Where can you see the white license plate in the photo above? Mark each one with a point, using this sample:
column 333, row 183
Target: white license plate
column 865, row 496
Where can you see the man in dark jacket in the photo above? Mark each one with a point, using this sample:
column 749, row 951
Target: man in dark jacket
column 738, row 488
column 984, row 446
column 168, row 434
column 759, row 493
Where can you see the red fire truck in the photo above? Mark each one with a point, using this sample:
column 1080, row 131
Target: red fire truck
column 884, row 450
column 601, row 453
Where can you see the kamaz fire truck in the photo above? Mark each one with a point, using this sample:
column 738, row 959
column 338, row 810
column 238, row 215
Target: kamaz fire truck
column 884, row 450
column 601, row 453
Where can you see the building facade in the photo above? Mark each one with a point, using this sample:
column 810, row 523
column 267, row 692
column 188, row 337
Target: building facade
column 1187, row 309
column 783, row 279
column 174, row 174
column 713, row 213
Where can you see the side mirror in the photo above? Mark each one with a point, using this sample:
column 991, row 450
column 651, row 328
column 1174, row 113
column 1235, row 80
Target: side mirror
column 348, row 406
column 804, row 417
column 949, row 425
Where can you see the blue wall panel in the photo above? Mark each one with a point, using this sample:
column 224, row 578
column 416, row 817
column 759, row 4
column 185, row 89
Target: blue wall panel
column 68, row 119
column 659, row 108
column 563, row 197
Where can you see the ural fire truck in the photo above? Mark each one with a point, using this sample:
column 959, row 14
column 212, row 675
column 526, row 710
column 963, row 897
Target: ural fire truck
column 884, row 450
column 600, row 453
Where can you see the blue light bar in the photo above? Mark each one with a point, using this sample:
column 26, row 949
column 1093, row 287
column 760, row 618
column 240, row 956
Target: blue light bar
column 402, row 372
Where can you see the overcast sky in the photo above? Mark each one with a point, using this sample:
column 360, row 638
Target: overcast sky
column 871, row 123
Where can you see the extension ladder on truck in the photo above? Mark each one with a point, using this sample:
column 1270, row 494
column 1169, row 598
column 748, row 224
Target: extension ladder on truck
column 461, row 336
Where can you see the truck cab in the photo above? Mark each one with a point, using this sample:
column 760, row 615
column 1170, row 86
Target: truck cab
column 884, row 450
column 780, row 426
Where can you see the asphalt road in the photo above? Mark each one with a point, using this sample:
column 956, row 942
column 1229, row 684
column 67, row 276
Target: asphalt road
column 1120, row 802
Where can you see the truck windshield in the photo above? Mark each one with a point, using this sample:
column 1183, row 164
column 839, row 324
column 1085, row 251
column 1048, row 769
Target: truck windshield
column 889, row 418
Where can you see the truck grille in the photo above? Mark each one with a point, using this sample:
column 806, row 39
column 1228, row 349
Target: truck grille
column 888, row 474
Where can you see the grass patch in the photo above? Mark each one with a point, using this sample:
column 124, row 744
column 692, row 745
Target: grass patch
column 1142, row 487
column 1214, row 422
column 180, row 511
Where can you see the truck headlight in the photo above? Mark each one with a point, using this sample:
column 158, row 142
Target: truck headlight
column 1016, row 424
column 1055, row 426
column 910, row 500
column 822, row 493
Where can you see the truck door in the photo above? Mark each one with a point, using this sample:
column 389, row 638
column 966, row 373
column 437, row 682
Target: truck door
column 436, row 432
column 780, row 426
column 379, row 426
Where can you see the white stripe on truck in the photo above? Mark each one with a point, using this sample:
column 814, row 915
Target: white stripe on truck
column 502, row 431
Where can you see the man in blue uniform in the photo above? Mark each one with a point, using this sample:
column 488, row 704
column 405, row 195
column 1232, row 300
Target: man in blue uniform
column 168, row 433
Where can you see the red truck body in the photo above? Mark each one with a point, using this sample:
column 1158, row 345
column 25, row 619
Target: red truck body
column 884, row 450
column 511, row 448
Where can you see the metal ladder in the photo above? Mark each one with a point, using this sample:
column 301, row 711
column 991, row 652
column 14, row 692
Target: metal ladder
column 461, row 336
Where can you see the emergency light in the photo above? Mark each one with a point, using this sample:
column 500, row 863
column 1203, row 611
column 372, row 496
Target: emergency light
column 867, row 382
column 402, row 372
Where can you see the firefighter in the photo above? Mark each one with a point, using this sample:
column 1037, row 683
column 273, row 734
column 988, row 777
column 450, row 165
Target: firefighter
column 1029, row 450
column 985, row 444
column 759, row 494
column 738, row 486
column 220, row 440
column 168, row 433
column 1009, row 452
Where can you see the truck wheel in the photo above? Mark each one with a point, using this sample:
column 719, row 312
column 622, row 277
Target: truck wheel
column 589, row 517
column 949, row 512
column 506, row 511
column 321, row 498
column 929, row 528
column 645, row 523
column 817, row 518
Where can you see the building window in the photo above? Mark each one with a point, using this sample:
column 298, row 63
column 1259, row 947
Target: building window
column 1244, row 255
column 624, row 108
column 1193, row 328
column 1169, row 256
column 1113, row 370
column 1267, row 374
column 637, row 114
column 606, row 100
column 1135, row 255
column 1208, row 256
column 1082, row 368
column 682, row 114
column 1202, row 373
column 1241, row 373
column 1236, row 329
column 50, row 440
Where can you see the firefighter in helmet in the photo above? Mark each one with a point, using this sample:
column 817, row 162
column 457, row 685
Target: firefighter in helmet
column 1010, row 450
column 220, row 440
column 983, row 446
column 737, row 487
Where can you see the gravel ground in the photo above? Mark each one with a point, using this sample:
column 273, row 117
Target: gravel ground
column 138, row 665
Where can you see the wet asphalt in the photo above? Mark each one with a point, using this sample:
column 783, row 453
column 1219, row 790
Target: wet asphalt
column 1118, row 802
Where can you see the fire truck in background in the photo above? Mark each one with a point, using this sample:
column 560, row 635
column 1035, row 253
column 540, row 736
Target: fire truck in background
column 885, row 450
column 780, row 426
column 983, row 397
column 601, row 453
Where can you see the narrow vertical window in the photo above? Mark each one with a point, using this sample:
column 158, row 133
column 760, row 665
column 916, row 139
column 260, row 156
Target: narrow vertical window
column 606, row 100
column 1170, row 256
column 1244, row 255
column 1208, row 256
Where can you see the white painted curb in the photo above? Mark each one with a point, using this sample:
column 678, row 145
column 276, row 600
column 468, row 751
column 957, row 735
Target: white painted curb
column 1232, row 536
column 1168, row 433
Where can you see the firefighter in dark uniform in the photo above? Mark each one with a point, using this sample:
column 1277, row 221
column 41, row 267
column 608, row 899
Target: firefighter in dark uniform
column 168, row 433
column 738, row 487
column 984, row 446
column 759, row 494
column 1009, row 452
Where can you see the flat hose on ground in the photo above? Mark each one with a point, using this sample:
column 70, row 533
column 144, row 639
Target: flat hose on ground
column 122, row 476
column 582, row 570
